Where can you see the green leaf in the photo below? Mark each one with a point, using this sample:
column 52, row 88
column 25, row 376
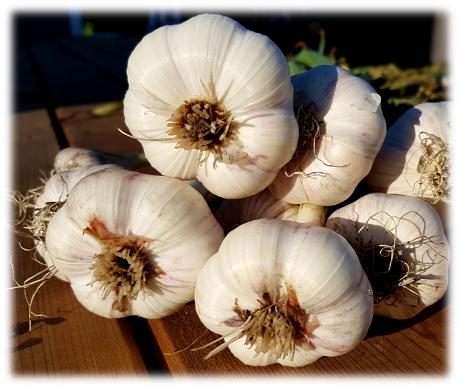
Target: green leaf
column 312, row 58
column 295, row 67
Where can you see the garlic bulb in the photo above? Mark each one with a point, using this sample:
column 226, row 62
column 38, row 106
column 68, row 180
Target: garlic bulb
column 51, row 199
column 341, row 130
column 280, row 292
column 72, row 158
column 415, row 157
column 401, row 246
column 234, row 212
column 211, row 100
column 131, row 243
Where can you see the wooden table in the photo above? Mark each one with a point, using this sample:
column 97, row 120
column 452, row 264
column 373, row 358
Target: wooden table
column 72, row 340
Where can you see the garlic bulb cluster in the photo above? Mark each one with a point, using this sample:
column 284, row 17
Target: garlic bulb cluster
column 53, row 196
column 280, row 292
column 123, row 239
column 211, row 100
column 402, row 247
column 341, row 130
column 234, row 212
column 415, row 157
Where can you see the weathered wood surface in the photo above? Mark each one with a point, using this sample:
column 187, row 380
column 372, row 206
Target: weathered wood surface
column 414, row 347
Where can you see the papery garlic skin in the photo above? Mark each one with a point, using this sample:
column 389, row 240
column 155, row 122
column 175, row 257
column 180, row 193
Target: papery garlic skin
column 171, row 220
column 71, row 158
column 213, row 59
column 55, row 191
column 398, row 168
column 234, row 212
column 351, row 131
column 416, row 229
column 271, row 256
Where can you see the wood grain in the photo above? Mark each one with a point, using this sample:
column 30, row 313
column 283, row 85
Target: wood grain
column 413, row 347
column 69, row 340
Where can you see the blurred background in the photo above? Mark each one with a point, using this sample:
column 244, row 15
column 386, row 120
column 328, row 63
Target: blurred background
column 80, row 58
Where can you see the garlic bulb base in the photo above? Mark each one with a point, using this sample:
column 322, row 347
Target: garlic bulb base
column 402, row 248
column 432, row 167
column 123, row 240
column 202, row 125
column 275, row 327
column 415, row 159
column 123, row 266
column 281, row 292
column 310, row 127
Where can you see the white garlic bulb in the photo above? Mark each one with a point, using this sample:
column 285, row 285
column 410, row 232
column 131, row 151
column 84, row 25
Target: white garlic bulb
column 402, row 247
column 234, row 212
column 53, row 196
column 211, row 100
column 131, row 243
column 415, row 157
column 71, row 158
column 341, row 130
column 280, row 292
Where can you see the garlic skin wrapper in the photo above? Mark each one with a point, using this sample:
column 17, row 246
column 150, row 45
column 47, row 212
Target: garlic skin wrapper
column 133, row 244
column 234, row 212
column 71, row 158
column 402, row 247
column 211, row 100
column 341, row 130
column 52, row 198
column 414, row 159
column 292, row 293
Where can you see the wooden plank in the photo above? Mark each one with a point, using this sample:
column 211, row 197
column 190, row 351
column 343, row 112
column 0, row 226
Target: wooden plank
column 70, row 339
column 417, row 346
column 85, row 130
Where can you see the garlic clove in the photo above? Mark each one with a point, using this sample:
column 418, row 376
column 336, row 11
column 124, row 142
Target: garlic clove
column 94, row 300
column 235, row 180
column 268, row 141
column 171, row 161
